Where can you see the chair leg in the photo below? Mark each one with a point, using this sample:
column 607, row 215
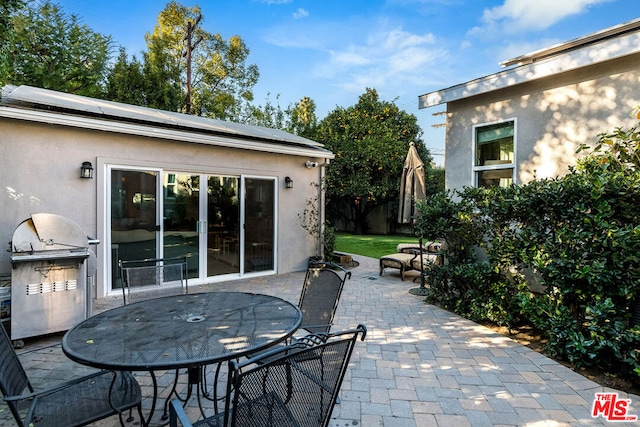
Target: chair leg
column 141, row 415
column 130, row 418
column 215, row 386
column 203, row 382
column 165, row 414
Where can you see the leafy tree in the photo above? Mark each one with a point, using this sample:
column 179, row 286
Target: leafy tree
column 126, row 81
column 299, row 118
column 48, row 49
column 269, row 115
column 302, row 118
column 370, row 141
column 163, row 85
column 180, row 50
column 7, row 8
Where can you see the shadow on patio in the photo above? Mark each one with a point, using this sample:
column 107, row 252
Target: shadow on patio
column 419, row 366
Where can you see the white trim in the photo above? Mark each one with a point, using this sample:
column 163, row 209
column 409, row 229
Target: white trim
column 105, row 219
column 475, row 169
column 606, row 50
column 103, row 174
column 160, row 133
column 243, row 221
column 556, row 49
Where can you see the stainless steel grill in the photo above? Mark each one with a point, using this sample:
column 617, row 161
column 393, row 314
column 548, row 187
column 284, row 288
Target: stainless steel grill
column 49, row 285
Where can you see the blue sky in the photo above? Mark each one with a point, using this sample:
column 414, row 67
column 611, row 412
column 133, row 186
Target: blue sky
column 332, row 50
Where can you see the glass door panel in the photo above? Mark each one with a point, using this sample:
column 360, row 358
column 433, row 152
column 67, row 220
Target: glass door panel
column 181, row 218
column 134, row 230
column 259, row 224
column 223, row 231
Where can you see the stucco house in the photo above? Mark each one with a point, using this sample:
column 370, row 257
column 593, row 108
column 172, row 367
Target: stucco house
column 158, row 184
column 528, row 120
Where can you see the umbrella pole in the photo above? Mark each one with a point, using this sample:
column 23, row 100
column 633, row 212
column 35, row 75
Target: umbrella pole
column 422, row 290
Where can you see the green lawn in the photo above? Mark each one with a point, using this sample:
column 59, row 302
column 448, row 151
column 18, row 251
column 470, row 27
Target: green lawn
column 370, row 245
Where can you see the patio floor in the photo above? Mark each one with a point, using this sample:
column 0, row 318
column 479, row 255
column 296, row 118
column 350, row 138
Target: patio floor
column 419, row 366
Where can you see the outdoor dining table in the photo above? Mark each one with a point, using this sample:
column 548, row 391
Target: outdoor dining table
column 184, row 331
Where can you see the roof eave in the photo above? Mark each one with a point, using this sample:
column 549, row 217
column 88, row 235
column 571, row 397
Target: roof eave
column 34, row 98
column 603, row 51
column 580, row 42
column 161, row 132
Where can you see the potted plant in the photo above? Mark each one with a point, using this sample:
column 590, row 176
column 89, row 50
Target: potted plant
column 324, row 236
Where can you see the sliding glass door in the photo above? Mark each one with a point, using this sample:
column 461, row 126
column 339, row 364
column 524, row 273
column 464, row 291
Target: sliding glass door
column 259, row 220
column 134, row 218
column 181, row 219
column 225, row 225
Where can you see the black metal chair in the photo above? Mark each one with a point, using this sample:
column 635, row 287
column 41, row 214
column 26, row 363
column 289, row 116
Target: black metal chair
column 320, row 296
column 77, row 402
column 153, row 278
column 295, row 385
column 321, row 291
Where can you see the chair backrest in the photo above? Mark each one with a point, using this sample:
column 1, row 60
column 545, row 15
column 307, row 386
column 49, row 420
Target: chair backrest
column 292, row 386
column 320, row 296
column 13, row 378
column 153, row 278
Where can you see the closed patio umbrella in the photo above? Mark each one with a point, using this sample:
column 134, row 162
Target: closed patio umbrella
column 412, row 185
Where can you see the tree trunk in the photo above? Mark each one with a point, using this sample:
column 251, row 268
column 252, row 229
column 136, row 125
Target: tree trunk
column 359, row 221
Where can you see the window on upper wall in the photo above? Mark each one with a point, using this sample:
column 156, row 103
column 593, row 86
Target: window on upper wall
column 494, row 148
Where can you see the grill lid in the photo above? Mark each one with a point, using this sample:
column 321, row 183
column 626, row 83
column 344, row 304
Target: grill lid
column 48, row 232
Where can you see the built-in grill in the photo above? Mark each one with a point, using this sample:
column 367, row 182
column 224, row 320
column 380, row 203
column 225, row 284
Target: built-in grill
column 49, row 286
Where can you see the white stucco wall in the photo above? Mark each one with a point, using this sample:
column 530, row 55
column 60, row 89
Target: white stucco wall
column 40, row 168
column 553, row 116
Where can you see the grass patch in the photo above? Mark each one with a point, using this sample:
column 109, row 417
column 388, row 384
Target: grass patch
column 373, row 246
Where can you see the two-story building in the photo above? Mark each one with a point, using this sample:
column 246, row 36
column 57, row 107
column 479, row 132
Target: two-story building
column 528, row 120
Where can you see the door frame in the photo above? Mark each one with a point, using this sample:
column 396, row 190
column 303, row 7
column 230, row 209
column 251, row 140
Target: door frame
column 106, row 220
column 275, row 195
column 105, row 166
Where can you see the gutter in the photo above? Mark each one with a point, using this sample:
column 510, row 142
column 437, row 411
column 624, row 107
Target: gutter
column 160, row 133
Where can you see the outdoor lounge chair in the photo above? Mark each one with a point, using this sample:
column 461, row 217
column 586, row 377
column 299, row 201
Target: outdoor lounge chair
column 295, row 385
column 411, row 256
column 77, row 402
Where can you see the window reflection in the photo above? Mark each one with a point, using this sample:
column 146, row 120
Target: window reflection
column 223, row 219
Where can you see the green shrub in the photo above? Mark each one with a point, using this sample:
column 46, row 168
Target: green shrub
column 475, row 288
column 329, row 241
column 579, row 234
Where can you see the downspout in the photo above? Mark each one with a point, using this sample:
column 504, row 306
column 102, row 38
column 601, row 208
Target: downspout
column 322, row 207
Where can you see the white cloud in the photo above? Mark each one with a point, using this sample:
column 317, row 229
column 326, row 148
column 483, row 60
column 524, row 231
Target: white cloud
column 392, row 59
column 522, row 15
column 399, row 39
column 354, row 54
column 274, row 1
column 301, row 34
column 300, row 13
column 348, row 58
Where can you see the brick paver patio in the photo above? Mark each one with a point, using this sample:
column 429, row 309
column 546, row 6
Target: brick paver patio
column 419, row 366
